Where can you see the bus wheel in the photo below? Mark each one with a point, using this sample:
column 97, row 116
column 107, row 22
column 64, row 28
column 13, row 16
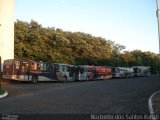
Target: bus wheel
column 64, row 79
column 34, row 79
column 87, row 78
column 121, row 76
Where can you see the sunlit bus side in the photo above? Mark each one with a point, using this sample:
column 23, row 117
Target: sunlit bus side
column 23, row 70
column 48, row 71
column 27, row 70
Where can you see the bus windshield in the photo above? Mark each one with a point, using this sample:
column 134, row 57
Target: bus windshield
column 115, row 70
column 136, row 70
column 8, row 62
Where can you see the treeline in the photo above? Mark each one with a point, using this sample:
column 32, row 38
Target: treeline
column 32, row 41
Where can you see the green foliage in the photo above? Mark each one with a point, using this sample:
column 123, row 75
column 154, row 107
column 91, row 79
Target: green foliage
column 2, row 91
column 32, row 41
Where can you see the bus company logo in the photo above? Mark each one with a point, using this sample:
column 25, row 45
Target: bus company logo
column 9, row 117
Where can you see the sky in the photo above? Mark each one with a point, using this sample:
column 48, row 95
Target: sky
column 132, row 23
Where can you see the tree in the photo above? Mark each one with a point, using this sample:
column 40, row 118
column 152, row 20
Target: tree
column 32, row 41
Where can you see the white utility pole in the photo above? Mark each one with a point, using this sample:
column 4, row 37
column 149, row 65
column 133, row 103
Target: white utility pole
column 158, row 18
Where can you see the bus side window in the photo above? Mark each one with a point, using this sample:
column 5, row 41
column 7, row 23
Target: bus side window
column 107, row 70
column 42, row 67
column 52, row 68
column 103, row 70
column 38, row 66
column 118, row 70
column 33, row 66
column 68, row 69
column 71, row 71
column 24, row 68
column 45, row 67
column 57, row 68
column 63, row 68
column 17, row 64
column 81, row 70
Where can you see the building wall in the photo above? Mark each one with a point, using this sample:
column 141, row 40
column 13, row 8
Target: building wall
column 6, row 29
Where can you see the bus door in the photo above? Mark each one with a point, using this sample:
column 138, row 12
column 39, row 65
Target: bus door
column 24, row 73
column 77, row 70
column 52, row 72
column 80, row 73
column 44, row 75
column 71, row 71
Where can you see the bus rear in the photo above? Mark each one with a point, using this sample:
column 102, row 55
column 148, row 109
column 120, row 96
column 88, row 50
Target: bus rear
column 9, row 69
column 15, row 69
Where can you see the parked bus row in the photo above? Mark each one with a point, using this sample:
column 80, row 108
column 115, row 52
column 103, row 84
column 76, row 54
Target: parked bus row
column 28, row 70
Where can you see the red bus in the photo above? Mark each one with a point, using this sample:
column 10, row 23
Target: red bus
column 102, row 73
column 85, row 72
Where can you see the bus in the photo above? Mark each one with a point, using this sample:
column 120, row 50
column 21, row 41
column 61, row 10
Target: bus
column 15, row 69
column 28, row 70
column 84, row 72
column 141, row 71
column 64, row 72
column 102, row 73
column 48, row 71
column 121, row 72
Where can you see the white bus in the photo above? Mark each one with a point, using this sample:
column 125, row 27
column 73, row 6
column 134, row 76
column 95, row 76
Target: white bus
column 121, row 72
column 141, row 71
column 65, row 72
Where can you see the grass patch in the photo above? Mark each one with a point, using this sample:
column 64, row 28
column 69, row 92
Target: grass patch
column 2, row 91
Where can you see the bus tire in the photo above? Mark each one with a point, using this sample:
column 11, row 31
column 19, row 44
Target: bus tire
column 34, row 79
column 120, row 76
column 130, row 75
column 87, row 78
column 64, row 79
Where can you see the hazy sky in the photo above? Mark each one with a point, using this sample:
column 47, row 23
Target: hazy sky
column 132, row 23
